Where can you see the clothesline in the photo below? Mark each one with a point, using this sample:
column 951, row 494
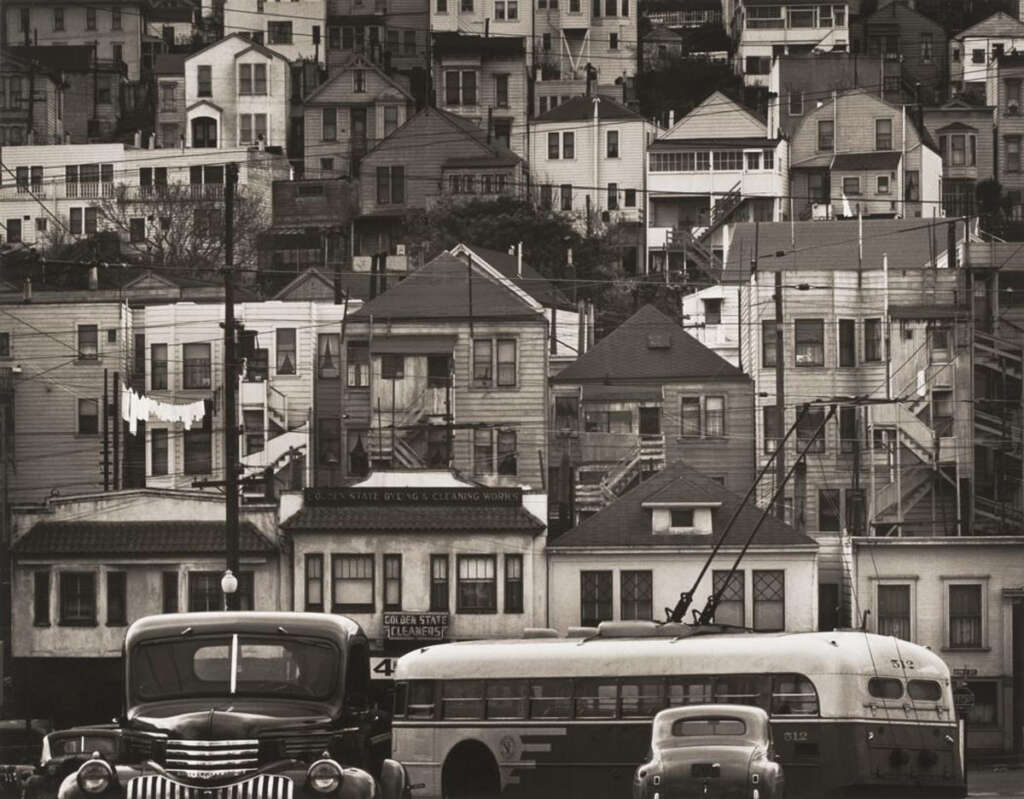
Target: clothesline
column 137, row 408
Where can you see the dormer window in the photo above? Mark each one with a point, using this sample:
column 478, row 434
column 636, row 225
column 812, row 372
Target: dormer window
column 679, row 517
column 659, row 341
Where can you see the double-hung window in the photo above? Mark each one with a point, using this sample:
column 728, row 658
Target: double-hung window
column 392, row 582
column 329, row 124
column 965, row 620
column 883, row 134
column 78, row 599
column 807, row 430
column 477, row 588
column 158, row 367
column 439, row 583
column 636, row 592
column 352, row 583
column 769, row 600
column 826, row 135
column 88, row 342
column 809, row 335
column 873, row 340
column 513, row 583
column 894, row 611
column 390, row 185
column 196, row 365
column 731, row 597
column 595, row 597
column 286, row 351
column 314, row 582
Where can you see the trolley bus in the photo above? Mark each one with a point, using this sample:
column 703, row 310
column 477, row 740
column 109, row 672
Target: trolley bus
column 545, row 716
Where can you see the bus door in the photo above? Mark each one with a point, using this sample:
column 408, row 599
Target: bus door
column 606, row 750
column 798, row 734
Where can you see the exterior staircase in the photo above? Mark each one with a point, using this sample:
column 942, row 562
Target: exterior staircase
column 402, row 453
column 646, row 457
column 721, row 211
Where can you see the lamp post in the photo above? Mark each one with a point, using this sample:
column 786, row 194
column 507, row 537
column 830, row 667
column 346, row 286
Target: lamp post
column 229, row 585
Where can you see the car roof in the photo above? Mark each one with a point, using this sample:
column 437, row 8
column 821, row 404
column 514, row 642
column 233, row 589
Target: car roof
column 328, row 625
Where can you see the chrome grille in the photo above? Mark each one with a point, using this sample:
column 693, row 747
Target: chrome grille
column 307, row 746
column 212, row 759
column 263, row 786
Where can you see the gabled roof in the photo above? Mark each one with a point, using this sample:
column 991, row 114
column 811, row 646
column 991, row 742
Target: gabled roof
column 311, row 275
column 999, row 24
column 356, row 62
column 954, row 127
column 136, row 538
column 705, row 121
column 440, row 290
column 466, row 127
column 661, row 33
column 626, row 523
column 833, row 245
column 581, row 108
column 648, row 346
column 259, row 48
column 205, row 101
column 251, row 45
column 532, row 281
column 881, row 159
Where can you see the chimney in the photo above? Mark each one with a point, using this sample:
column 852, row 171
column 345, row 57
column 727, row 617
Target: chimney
column 519, row 259
column 94, row 278
column 67, row 137
column 591, row 79
column 152, row 141
column 137, row 139
column 26, row 290
column 672, row 114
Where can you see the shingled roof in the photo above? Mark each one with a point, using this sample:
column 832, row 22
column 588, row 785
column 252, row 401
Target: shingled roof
column 581, row 108
column 909, row 244
column 440, row 290
column 531, row 281
column 626, row 523
column 142, row 538
column 648, row 346
column 413, row 518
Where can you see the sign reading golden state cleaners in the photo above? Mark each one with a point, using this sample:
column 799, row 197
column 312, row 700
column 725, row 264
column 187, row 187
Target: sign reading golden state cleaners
column 415, row 626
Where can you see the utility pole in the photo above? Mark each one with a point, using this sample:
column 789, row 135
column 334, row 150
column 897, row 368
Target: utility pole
column 116, row 411
column 230, row 387
column 6, row 596
column 106, row 431
column 780, row 395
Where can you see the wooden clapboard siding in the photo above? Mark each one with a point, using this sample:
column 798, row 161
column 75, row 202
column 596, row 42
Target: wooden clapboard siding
column 49, row 453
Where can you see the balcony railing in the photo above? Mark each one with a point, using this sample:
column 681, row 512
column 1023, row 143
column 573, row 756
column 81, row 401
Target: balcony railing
column 89, row 189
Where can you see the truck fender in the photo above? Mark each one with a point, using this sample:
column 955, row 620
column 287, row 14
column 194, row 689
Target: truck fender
column 394, row 781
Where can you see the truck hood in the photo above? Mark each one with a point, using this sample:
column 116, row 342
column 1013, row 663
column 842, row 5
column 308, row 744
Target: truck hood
column 226, row 719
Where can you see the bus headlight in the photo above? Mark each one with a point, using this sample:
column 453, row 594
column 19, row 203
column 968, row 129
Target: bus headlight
column 95, row 776
column 324, row 776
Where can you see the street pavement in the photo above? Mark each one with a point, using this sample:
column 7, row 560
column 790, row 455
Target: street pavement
column 995, row 782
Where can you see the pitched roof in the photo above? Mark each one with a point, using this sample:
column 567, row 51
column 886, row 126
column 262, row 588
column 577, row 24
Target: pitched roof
column 158, row 13
column 250, row 45
column 581, row 108
column 466, row 127
column 440, row 290
column 882, row 159
column 458, row 43
column 833, row 245
column 532, row 281
column 362, row 63
column 413, row 518
column 705, row 121
column 648, row 346
column 999, row 24
column 626, row 523
column 141, row 538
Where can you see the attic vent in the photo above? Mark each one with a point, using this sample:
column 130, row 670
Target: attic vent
column 659, row 341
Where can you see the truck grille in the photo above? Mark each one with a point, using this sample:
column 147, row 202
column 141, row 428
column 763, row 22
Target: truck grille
column 264, row 786
column 212, row 760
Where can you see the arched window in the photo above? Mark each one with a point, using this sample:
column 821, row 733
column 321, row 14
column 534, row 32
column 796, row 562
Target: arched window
column 204, row 132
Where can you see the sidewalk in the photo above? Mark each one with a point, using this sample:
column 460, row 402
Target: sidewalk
column 994, row 760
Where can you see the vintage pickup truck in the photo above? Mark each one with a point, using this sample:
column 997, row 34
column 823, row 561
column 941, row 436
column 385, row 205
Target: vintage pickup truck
column 245, row 706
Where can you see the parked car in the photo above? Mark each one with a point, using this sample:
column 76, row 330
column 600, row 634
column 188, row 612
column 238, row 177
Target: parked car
column 20, row 740
column 710, row 751
column 255, row 705
column 64, row 751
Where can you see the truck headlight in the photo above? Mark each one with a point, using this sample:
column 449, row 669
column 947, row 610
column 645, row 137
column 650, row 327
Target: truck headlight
column 95, row 776
column 324, row 776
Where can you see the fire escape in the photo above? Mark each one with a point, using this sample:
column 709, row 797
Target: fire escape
column 693, row 244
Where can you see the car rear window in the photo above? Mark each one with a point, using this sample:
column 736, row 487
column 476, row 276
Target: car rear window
column 696, row 728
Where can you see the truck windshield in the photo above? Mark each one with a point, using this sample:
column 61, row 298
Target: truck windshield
column 233, row 665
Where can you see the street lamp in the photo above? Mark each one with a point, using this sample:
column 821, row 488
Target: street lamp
column 228, row 584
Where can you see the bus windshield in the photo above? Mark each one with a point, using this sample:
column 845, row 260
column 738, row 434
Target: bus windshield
column 233, row 665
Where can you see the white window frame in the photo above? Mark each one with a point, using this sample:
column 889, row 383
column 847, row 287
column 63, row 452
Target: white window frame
column 878, row 184
column 907, row 579
column 969, row 579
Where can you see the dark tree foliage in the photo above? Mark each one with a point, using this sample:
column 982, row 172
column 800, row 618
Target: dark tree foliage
column 953, row 15
column 681, row 84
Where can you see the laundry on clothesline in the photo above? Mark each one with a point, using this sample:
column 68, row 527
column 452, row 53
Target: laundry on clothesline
column 137, row 408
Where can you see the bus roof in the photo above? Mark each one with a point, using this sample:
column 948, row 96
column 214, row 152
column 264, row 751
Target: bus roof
column 844, row 652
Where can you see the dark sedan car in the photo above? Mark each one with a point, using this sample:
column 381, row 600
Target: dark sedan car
column 712, row 751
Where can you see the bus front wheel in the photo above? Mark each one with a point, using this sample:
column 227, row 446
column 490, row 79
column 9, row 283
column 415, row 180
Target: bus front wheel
column 470, row 772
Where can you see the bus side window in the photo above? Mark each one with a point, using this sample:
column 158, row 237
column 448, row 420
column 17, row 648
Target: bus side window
column 596, row 699
column 793, row 695
column 695, row 691
column 885, row 688
column 641, row 699
column 924, row 690
column 401, row 699
column 506, row 699
column 421, row 699
column 737, row 689
column 462, row 699
column 551, row 699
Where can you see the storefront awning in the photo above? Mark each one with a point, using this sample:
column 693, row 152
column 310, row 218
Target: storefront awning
column 414, row 345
